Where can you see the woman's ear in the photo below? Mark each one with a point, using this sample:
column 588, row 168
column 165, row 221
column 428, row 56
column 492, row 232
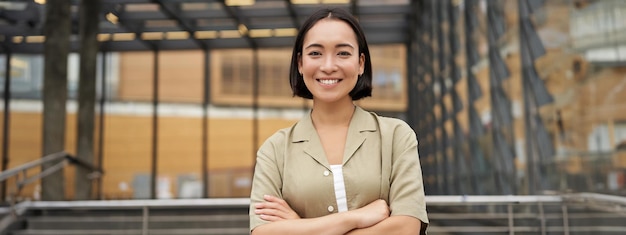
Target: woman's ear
column 361, row 63
column 299, row 58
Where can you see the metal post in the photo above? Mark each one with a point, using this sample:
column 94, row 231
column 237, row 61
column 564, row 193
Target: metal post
column 5, row 124
column 509, row 210
column 565, row 219
column 437, row 38
column 255, row 102
column 155, row 124
column 438, row 172
column 539, row 147
column 145, row 221
column 473, row 93
column 410, row 71
column 205, row 126
column 56, row 47
column 542, row 218
column 100, row 156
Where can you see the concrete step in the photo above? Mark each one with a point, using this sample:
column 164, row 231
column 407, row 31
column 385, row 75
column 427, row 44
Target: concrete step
column 208, row 231
column 136, row 222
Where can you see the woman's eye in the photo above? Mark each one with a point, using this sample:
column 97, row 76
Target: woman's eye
column 314, row 53
column 344, row 53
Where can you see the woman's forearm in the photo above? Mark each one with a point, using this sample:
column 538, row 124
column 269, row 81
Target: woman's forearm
column 398, row 224
column 339, row 224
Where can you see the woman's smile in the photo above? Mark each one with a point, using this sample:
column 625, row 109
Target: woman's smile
column 326, row 82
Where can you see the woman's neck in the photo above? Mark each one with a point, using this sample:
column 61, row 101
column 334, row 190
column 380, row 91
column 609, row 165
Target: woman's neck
column 336, row 114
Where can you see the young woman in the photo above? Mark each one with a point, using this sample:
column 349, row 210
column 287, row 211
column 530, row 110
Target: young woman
column 340, row 169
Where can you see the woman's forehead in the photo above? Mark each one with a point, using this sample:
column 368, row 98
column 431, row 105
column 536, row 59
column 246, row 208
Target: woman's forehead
column 329, row 30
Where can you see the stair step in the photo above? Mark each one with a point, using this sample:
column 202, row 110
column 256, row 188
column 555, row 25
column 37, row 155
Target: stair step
column 135, row 218
column 136, row 222
column 207, row 231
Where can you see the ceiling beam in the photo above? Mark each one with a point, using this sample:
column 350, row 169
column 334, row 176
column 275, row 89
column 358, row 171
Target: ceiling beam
column 137, row 31
column 354, row 8
column 173, row 14
column 239, row 20
column 292, row 13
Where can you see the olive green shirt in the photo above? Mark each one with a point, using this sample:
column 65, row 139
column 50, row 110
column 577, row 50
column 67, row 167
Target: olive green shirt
column 292, row 165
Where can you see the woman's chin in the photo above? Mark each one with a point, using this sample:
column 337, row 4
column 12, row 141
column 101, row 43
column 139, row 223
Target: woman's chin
column 331, row 99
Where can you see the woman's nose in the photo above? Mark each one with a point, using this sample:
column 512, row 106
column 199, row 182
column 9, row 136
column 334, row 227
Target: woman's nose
column 329, row 65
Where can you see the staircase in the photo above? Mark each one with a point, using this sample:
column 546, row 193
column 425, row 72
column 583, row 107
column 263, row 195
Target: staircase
column 136, row 217
column 569, row 214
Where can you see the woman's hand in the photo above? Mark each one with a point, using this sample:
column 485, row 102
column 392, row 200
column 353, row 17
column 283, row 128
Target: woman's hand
column 371, row 214
column 275, row 209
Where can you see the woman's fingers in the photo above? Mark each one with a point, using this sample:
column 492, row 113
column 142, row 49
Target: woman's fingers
column 270, row 198
column 270, row 218
column 270, row 213
column 275, row 209
column 274, row 214
column 372, row 213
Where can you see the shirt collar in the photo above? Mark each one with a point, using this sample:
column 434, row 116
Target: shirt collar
column 361, row 121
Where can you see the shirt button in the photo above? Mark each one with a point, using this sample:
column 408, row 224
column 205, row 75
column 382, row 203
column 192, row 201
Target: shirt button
column 331, row 209
column 326, row 173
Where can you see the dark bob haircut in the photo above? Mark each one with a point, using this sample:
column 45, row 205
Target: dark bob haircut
column 363, row 87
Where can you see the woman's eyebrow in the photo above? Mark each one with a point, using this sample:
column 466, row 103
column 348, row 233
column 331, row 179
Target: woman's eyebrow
column 336, row 46
column 344, row 45
column 314, row 45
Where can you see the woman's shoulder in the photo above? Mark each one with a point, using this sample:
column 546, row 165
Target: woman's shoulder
column 280, row 136
column 392, row 123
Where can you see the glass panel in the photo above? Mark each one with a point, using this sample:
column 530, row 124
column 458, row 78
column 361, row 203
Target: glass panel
column 128, row 128
column 179, row 154
column 388, row 79
column 26, row 76
column 180, row 125
column 136, row 76
column 274, row 73
column 127, row 153
column 181, row 75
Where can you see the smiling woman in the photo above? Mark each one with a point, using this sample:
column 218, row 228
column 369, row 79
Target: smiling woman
column 340, row 169
column 331, row 64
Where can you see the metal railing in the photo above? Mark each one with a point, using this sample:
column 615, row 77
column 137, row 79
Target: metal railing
column 62, row 159
column 145, row 206
column 22, row 178
column 542, row 214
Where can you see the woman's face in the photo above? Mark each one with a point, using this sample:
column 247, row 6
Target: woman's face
column 330, row 62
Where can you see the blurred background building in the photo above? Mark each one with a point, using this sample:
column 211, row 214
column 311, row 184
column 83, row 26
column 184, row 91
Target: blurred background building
column 506, row 97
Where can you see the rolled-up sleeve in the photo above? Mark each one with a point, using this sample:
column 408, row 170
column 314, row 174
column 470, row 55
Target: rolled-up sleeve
column 267, row 178
column 406, row 194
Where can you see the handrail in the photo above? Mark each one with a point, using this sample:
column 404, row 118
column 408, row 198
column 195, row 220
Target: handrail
column 490, row 199
column 596, row 197
column 140, row 203
column 602, row 202
column 16, row 170
column 20, row 172
column 431, row 200
column 60, row 158
column 46, row 159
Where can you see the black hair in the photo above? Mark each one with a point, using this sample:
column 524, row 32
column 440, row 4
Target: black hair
column 363, row 87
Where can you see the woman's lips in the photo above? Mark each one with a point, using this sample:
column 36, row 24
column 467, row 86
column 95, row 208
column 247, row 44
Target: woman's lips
column 329, row 81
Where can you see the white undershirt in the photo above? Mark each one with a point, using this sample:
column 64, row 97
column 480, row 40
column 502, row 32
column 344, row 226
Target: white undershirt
column 340, row 188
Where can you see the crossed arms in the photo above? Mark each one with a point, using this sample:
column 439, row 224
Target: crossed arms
column 372, row 219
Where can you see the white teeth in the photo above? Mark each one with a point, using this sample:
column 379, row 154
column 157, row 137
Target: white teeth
column 329, row 82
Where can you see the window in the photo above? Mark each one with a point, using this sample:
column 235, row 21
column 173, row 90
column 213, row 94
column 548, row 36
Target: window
column 232, row 74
